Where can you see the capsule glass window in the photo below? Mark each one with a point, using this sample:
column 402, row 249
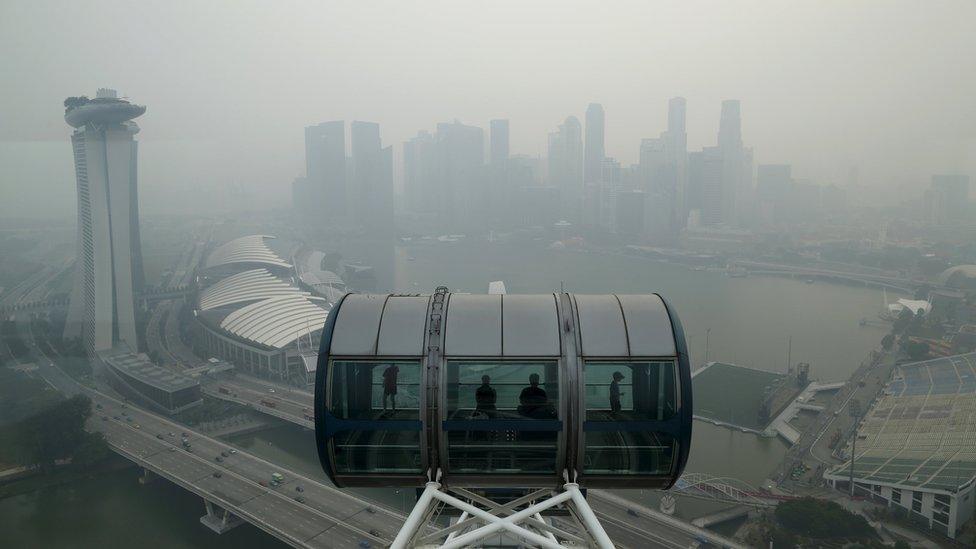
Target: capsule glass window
column 502, row 416
column 367, row 395
column 627, row 407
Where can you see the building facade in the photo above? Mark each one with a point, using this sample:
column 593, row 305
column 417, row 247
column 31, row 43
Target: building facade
column 108, row 268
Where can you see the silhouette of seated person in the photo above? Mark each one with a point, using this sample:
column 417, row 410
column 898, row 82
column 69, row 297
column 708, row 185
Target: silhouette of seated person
column 533, row 401
column 485, row 397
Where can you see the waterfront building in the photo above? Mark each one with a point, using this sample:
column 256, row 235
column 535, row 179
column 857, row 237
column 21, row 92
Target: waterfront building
column 372, row 168
column 916, row 446
column 159, row 389
column 325, row 170
column 108, row 266
column 260, row 312
column 419, row 172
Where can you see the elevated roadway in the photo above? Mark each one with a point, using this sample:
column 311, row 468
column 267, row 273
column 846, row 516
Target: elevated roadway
column 292, row 405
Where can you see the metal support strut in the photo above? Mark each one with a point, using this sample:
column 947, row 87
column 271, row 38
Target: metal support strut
column 500, row 518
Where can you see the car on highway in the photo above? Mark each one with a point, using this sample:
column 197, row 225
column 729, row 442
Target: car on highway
column 300, row 499
column 116, row 417
column 299, row 489
column 217, row 474
column 632, row 513
column 172, row 448
column 218, row 459
column 263, row 483
column 224, row 453
column 104, row 418
column 160, row 437
column 233, row 451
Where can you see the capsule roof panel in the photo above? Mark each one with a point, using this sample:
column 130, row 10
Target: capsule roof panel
column 402, row 326
column 624, row 325
column 530, row 325
column 474, row 325
column 358, row 324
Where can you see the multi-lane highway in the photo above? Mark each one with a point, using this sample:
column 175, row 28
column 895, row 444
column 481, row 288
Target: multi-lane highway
column 299, row 511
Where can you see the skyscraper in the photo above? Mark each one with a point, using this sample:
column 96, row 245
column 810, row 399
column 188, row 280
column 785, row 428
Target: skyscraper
column 594, row 150
column 566, row 166
column 499, row 142
column 108, row 267
column 419, row 172
column 372, row 179
column 460, row 159
column 677, row 153
column 736, row 177
column 325, row 168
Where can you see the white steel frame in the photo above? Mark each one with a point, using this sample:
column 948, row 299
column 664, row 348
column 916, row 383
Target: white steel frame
column 500, row 517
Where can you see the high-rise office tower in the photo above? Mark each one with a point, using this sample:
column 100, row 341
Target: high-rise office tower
column 594, row 150
column 677, row 152
column 566, row 166
column 677, row 107
column 372, row 179
column 499, row 142
column 461, row 160
column 736, row 179
column 108, row 267
column 325, row 168
column 419, row 172
column 730, row 125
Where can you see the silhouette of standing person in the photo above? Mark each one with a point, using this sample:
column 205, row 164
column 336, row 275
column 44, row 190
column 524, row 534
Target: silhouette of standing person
column 615, row 393
column 533, row 398
column 390, row 385
column 485, row 396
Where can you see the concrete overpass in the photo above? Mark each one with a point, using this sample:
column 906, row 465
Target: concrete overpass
column 893, row 282
column 286, row 403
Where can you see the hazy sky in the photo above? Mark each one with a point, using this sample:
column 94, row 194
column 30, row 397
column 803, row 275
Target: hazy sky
column 887, row 86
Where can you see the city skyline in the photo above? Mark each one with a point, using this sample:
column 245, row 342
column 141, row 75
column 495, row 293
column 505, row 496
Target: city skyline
column 896, row 109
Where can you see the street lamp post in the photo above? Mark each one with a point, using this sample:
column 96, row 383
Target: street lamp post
column 707, row 331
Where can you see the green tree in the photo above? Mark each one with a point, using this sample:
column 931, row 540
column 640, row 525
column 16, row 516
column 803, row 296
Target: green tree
column 917, row 350
column 887, row 342
column 821, row 519
column 56, row 432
